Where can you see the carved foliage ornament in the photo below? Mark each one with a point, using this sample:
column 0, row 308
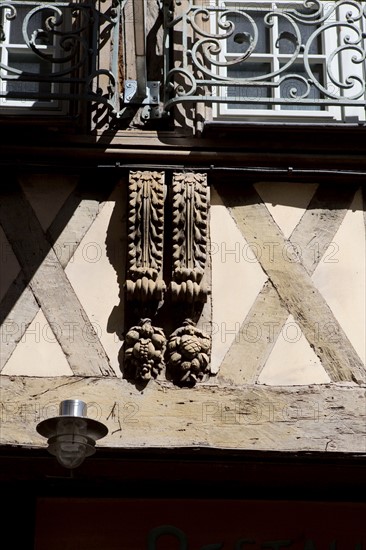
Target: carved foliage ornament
column 145, row 236
column 190, row 216
column 187, row 355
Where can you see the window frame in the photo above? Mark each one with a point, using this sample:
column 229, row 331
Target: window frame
column 7, row 48
column 272, row 111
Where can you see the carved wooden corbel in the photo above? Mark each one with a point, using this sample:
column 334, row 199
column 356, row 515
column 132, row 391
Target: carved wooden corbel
column 144, row 351
column 188, row 354
column 145, row 237
column 145, row 345
column 190, row 218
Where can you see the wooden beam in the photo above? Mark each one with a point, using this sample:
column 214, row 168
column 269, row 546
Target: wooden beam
column 293, row 284
column 51, row 288
column 325, row 418
column 19, row 307
column 17, row 311
column 321, row 221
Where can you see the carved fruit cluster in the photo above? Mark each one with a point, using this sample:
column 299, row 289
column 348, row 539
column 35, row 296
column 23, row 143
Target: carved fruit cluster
column 188, row 349
column 187, row 353
column 144, row 352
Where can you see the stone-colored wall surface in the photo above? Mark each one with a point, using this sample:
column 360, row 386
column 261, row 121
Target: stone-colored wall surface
column 288, row 318
column 292, row 269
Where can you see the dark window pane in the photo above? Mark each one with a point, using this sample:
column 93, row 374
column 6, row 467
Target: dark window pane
column 31, row 64
column 287, row 37
column 243, row 34
column 248, row 70
column 300, row 87
column 36, row 22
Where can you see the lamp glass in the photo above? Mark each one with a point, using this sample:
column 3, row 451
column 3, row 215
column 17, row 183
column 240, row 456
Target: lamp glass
column 71, row 443
column 69, row 452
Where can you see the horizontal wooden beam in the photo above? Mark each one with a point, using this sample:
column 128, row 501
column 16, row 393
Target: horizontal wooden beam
column 322, row 418
column 146, row 155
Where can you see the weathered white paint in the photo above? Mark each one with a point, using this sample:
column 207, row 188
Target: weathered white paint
column 286, row 202
column 92, row 273
column 46, row 194
column 341, row 278
column 19, row 306
column 38, row 353
column 292, row 361
column 236, row 280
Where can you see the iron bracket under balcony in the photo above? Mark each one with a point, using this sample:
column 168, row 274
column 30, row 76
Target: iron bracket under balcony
column 150, row 99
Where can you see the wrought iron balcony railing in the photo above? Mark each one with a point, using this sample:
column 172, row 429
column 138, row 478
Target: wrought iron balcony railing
column 266, row 57
column 50, row 53
column 269, row 55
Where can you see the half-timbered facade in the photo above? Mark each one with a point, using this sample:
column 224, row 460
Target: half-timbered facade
column 182, row 242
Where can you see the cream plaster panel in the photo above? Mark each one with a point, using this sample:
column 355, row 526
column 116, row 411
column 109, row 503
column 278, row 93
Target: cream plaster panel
column 341, row 277
column 9, row 266
column 38, row 353
column 292, row 360
column 286, row 202
column 46, row 194
column 94, row 278
column 237, row 278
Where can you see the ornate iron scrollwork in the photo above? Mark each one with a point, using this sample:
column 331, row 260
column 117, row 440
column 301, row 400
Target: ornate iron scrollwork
column 63, row 38
column 206, row 73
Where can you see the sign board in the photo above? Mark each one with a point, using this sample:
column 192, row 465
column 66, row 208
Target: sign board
column 197, row 524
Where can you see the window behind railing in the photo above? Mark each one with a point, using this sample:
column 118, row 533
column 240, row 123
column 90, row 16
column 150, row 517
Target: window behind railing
column 50, row 56
column 273, row 60
column 31, row 54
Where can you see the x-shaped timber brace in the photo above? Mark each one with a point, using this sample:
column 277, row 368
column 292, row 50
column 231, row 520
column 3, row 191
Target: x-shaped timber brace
column 44, row 271
column 235, row 412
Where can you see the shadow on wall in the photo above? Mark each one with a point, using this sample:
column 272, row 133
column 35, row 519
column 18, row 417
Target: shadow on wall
column 116, row 251
column 43, row 254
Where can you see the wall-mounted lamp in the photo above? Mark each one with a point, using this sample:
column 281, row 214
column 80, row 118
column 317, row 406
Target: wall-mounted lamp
column 72, row 436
